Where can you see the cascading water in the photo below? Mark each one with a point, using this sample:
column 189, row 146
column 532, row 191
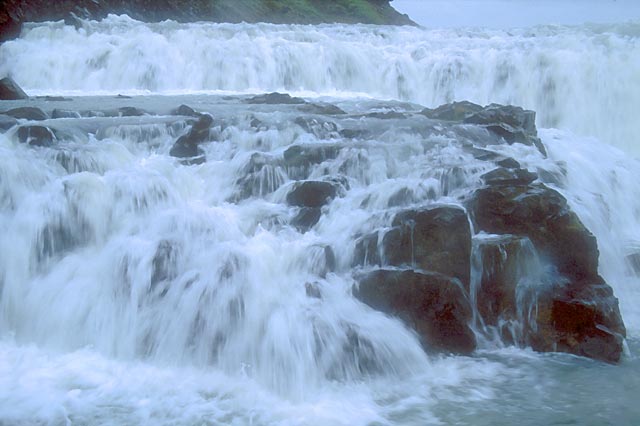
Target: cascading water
column 138, row 290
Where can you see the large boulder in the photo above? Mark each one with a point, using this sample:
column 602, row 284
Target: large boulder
column 433, row 305
column 10, row 91
column 434, row 239
column 571, row 309
column 543, row 215
column 313, row 194
column 455, row 111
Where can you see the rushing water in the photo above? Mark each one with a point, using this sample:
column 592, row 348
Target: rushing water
column 136, row 290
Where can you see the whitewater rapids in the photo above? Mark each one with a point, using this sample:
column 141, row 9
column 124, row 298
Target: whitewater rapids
column 228, row 334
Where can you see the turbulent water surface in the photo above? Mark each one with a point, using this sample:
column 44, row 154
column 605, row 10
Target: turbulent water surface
column 137, row 290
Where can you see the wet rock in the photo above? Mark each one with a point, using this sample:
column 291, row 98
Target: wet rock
column 299, row 160
column 260, row 176
column 581, row 318
column 306, row 218
column 185, row 110
column 433, row 239
column 541, row 214
column 508, row 163
column 54, row 98
column 322, row 260
column 633, row 260
column 187, row 145
column 321, row 109
column 63, row 113
column 308, row 155
column 10, row 91
column 313, row 194
column 7, row 122
column 505, row 176
column 27, row 113
column 131, row 112
column 354, row 133
column 503, row 261
column 387, row 115
column 511, row 123
column 455, row 111
column 275, row 98
column 312, row 290
column 432, row 304
column 36, row 135
column 366, row 250
column 322, row 129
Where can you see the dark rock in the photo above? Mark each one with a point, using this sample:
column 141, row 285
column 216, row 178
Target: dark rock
column 401, row 197
column 511, row 123
column 633, row 260
column 7, row 122
column 322, row 129
column 456, row 111
column 260, row 176
column 387, row 115
column 185, row 110
column 581, row 318
column 434, row 305
column 10, row 91
column 322, row 259
column 321, row 109
column 54, row 98
column 63, row 113
column 504, row 176
column 275, row 98
column 503, row 261
column 36, row 135
column 354, row 133
column 121, row 96
column 508, row 163
column 433, row 239
column 541, row 214
column 187, row 145
column 311, row 194
column 131, row 112
column 307, row 155
column 312, row 290
column 306, row 218
column 27, row 113
column 366, row 250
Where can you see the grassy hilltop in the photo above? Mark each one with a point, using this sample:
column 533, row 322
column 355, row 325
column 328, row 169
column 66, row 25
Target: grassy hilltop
column 14, row 12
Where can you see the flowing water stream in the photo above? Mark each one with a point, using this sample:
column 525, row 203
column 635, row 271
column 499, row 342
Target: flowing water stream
column 136, row 290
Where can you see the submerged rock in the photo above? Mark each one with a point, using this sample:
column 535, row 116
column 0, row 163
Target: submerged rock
column 432, row 304
column 10, row 90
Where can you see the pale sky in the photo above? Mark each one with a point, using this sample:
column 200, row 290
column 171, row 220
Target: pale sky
column 516, row 13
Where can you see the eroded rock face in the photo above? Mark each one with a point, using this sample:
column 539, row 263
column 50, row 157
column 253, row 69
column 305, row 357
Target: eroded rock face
column 312, row 194
column 432, row 304
column 36, row 135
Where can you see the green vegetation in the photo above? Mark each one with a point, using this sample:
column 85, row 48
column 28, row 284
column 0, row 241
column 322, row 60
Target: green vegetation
column 14, row 12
